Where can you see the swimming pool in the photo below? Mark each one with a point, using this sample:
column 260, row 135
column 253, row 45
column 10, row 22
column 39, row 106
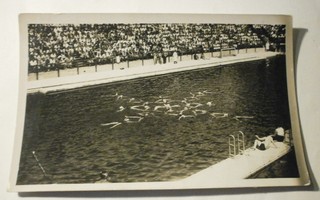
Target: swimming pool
column 159, row 128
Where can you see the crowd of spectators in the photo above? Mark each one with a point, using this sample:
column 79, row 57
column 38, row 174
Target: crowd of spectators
column 73, row 45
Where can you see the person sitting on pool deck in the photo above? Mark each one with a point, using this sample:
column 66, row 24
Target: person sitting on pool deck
column 263, row 143
column 278, row 134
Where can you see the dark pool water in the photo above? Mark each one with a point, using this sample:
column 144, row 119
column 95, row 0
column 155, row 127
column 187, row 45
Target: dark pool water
column 65, row 132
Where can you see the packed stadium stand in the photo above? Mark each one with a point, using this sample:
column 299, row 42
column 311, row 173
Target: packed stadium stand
column 57, row 46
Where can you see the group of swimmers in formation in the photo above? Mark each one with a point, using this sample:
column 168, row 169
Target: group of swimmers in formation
column 185, row 108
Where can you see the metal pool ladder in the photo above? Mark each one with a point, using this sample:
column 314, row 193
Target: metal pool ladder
column 236, row 145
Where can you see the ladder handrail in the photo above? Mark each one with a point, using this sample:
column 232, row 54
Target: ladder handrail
column 236, row 147
column 241, row 146
column 232, row 145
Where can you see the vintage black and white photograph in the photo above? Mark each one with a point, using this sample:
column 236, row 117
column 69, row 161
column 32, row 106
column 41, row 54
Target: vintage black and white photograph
column 156, row 102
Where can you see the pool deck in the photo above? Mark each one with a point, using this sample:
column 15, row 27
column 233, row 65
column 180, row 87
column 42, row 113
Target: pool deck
column 95, row 78
column 241, row 166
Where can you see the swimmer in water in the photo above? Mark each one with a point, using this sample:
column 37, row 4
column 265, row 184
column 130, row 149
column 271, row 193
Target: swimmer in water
column 118, row 96
column 165, row 106
column 133, row 100
column 171, row 112
column 199, row 94
column 206, row 92
column 219, row 115
column 162, row 100
column 145, row 114
column 209, row 103
column 238, row 118
column 104, row 176
column 156, row 108
column 170, row 109
column 121, row 108
column 140, row 108
column 186, row 109
column 185, row 100
column 185, row 116
column 193, row 97
column 195, row 105
column 132, row 119
column 144, row 107
column 192, row 104
column 199, row 112
column 112, row 124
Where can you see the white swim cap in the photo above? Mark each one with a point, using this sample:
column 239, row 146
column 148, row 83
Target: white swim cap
column 280, row 131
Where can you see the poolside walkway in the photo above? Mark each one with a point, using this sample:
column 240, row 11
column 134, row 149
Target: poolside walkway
column 94, row 78
column 241, row 166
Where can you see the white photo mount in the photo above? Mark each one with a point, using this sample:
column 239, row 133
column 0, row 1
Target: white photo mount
column 203, row 180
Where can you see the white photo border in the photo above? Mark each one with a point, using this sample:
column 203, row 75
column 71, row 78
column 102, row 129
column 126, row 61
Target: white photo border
column 25, row 19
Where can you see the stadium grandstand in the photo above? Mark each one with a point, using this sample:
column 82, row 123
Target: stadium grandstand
column 53, row 46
